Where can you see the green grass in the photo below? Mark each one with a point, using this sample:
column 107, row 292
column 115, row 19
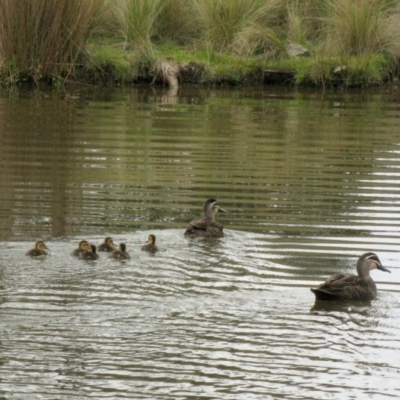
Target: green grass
column 112, row 62
column 232, row 69
column 360, row 70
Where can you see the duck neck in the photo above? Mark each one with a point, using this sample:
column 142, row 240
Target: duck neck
column 363, row 272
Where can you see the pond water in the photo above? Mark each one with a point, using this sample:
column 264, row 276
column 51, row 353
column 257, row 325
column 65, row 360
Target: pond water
column 310, row 181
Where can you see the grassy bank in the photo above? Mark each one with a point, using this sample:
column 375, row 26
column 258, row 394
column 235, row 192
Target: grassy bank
column 309, row 42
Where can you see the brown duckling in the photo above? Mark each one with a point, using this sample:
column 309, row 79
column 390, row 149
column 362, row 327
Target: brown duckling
column 150, row 244
column 352, row 287
column 83, row 246
column 89, row 255
column 207, row 226
column 39, row 250
column 121, row 253
column 108, row 245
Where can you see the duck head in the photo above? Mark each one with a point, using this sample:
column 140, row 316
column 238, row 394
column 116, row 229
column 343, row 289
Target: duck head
column 367, row 262
column 211, row 207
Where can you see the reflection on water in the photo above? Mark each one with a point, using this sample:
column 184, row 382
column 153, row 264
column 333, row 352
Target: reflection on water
column 310, row 182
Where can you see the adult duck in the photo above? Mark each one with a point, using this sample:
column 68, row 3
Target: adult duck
column 207, row 226
column 39, row 249
column 352, row 287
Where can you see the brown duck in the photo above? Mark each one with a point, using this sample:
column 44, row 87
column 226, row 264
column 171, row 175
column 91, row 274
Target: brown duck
column 89, row 255
column 150, row 244
column 108, row 245
column 82, row 247
column 121, row 253
column 39, row 250
column 207, row 226
column 352, row 287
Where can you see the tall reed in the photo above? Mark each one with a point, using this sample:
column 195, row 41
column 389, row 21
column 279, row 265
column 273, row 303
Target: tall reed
column 42, row 39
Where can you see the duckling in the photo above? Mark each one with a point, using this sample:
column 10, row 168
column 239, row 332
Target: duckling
column 150, row 244
column 83, row 246
column 108, row 245
column 352, row 287
column 39, row 250
column 207, row 226
column 120, row 254
column 89, row 255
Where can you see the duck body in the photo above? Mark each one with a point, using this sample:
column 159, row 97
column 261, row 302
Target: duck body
column 120, row 254
column 82, row 247
column 352, row 287
column 206, row 226
column 89, row 255
column 108, row 245
column 39, row 250
column 150, row 245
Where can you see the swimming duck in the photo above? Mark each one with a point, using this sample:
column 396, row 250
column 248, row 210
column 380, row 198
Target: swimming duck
column 108, row 245
column 121, row 253
column 89, row 255
column 207, row 226
column 83, row 246
column 150, row 244
column 352, row 287
column 39, row 250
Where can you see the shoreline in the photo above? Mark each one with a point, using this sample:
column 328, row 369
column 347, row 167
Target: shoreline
column 171, row 64
column 105, row 63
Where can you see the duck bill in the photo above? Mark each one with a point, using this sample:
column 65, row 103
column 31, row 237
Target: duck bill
column 222, row 210
column 382, row 268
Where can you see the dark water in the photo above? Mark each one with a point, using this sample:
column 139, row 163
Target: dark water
column 310, row 180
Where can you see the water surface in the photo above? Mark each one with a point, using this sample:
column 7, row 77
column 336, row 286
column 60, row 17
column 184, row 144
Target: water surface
column 310, row 180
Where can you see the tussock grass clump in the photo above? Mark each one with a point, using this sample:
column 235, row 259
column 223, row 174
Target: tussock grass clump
column 137, row 20
column 174, row 22
column 302, row 24
column 42, row 39
column 243, row 27
column 356, row 27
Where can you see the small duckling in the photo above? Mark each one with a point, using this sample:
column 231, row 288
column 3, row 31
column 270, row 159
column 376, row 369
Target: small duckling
column 150, row 244
column 39, row 250
column 120, row 254
column 108, row 245
column 89, row 255
column 83, row 246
